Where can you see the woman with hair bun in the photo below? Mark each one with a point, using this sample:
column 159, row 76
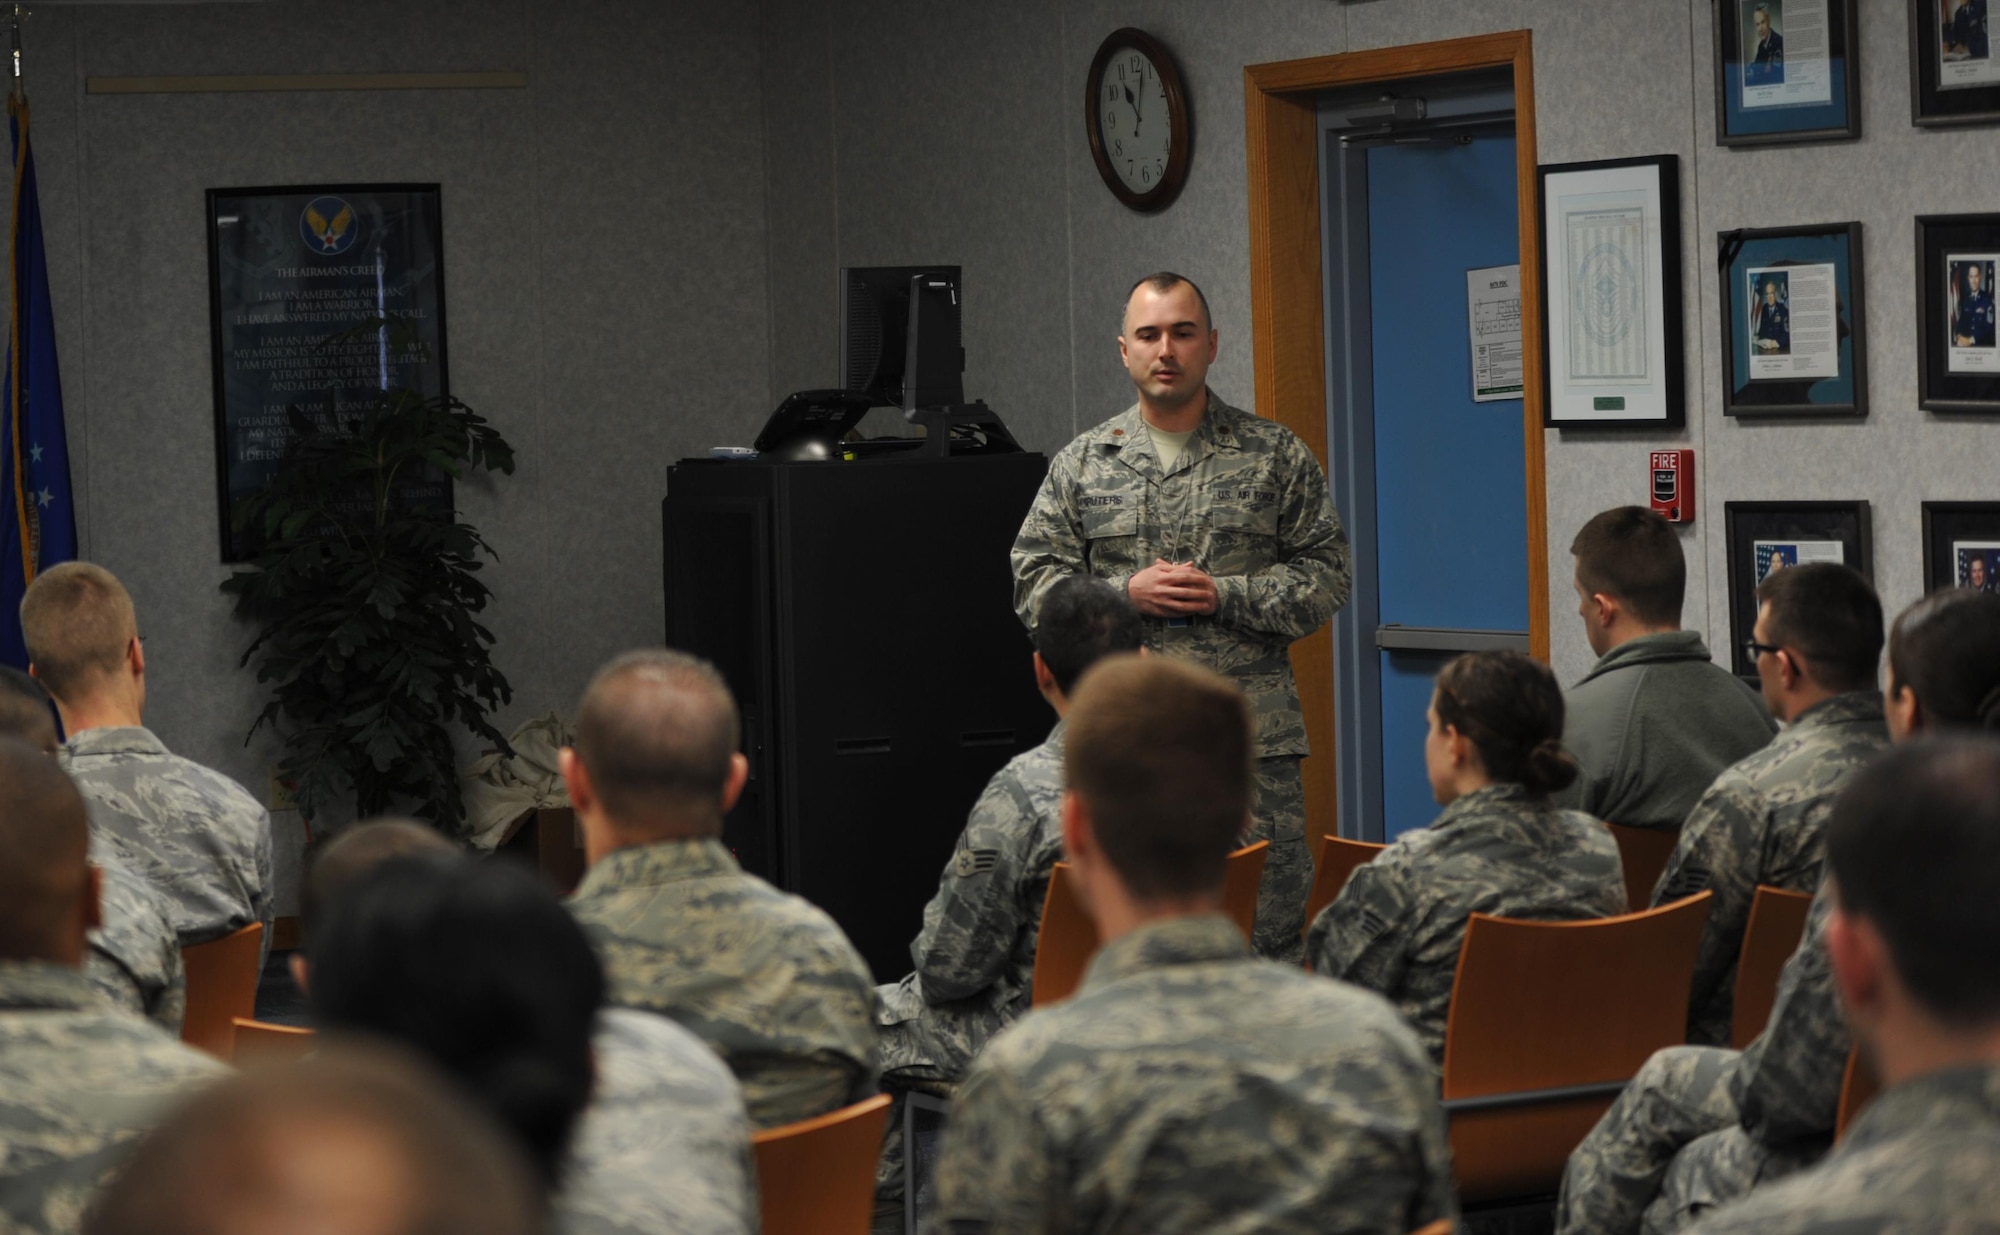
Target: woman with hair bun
column 1494, row 754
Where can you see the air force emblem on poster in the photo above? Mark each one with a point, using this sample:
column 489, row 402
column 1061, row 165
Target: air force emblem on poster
column 328, row 226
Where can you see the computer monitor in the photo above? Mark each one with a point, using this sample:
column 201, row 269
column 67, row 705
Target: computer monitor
column 875, row 326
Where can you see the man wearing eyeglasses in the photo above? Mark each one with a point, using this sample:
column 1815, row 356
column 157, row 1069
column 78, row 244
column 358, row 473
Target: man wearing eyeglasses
column 1817, row 643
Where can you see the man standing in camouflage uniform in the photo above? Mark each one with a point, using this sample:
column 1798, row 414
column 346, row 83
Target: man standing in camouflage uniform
column 80, row 1081
column 1914, row 851
column 1187, row 1086
column 975, row 956
column 134, row 958
column 195, row 836
column 765, row 978
column 1818, row 640
column 1218, row 526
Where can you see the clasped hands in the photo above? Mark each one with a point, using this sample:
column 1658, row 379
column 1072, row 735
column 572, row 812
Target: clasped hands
column 1172, row 589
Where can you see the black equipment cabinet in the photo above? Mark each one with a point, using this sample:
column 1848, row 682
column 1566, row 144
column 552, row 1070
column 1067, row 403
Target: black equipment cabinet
column 862, row 613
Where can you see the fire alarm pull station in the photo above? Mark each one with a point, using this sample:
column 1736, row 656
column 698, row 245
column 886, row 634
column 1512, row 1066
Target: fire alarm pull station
column 1673, row 485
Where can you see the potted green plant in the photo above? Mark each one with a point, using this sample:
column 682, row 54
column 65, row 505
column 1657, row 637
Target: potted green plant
column 364, row 591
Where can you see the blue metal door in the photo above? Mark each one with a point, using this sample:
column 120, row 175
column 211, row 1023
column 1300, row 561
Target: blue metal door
column 1433, row 484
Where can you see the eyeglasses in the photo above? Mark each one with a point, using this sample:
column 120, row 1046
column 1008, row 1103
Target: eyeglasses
column 1757, row 649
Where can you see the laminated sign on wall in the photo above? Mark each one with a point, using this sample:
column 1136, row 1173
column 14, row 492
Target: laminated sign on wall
column 1493, row 312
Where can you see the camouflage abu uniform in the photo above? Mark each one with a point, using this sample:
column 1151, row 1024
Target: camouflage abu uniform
column 1397, row 926
column 79, row 1082
column 764, row 977
column 198, row 838
column 134, row 957
column 665, row 1142
column 1700, row 1126
column 1189, row 1086
column 1764, row 821
column 1923, row 1157
column 975, row 957
column 1246, row 502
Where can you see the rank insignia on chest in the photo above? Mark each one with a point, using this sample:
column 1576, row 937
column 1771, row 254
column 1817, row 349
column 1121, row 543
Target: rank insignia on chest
column 972, row 862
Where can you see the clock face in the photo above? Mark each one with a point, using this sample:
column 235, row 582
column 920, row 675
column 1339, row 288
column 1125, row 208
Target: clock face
column 1136, row 122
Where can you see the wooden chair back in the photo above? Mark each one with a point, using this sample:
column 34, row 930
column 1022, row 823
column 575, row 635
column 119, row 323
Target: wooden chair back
column 221, row 986
column 1337, row 860
column 1857, row 1090
column 1544, row 1008
column 1240, row 881
column 1643, row 852
column 1068, row 937
column 262, row 1041
column 1777, row 923
column 817, row 1176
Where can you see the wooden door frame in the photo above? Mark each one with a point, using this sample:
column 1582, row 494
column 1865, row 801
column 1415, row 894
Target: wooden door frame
column 1287, row 316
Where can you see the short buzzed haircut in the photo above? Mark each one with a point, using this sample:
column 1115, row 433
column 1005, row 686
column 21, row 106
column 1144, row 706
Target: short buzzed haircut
column 44, row 853
column 77, row 621
column 1829, row 614
column 252, row 1152
column 1914, row 846
column 1630, row 553
column 357, row 850
column 656, row 730
column 1160, row 753
column 1163, row 282
column 1082, row 620
column 24, row 709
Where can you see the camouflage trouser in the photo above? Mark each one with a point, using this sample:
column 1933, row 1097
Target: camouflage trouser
column 929, row 1042
column 1717, row 1169
column 1288, row 872
column 1680, row 1094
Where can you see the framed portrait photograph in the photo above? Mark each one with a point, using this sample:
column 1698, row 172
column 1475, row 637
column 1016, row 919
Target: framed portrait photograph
column 1962, row 546
column 1765, row 537
column 295, row 276
column 1786, row 71
column 1611, row 294
column 1958, row 353
column 1793, row 321
column 1954, row 78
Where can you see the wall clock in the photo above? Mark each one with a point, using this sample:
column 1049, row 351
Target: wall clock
column 1136, row 108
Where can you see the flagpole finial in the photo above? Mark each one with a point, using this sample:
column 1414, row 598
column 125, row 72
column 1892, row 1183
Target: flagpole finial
column 16, row 33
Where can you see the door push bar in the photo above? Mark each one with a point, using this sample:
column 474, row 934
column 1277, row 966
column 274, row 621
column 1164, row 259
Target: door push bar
column 1398, row 638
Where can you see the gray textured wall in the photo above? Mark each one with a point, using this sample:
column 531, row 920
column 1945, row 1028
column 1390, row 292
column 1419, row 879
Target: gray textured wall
column 642, row 248
column 605, row 245
column 984, row 161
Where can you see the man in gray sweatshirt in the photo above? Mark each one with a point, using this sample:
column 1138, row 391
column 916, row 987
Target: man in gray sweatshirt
column 1656, row 720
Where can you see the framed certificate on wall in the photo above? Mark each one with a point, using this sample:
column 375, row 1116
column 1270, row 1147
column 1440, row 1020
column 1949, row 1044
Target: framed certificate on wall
column 1958, row 346
column 1786, row 71
column 1765, row 537
column 1954, row 77
column 1611, row 294
column 1794, row 338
